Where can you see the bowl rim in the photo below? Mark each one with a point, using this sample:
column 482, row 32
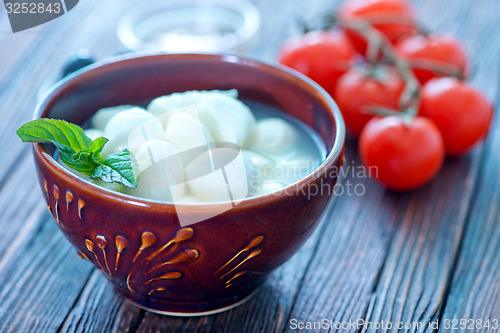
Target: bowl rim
column 335, row 154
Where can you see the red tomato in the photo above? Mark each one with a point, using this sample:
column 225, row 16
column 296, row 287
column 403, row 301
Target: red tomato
column 356, row 90
column 399, row 12
column 406, row 156
column 441, row 50
column 323, row 56
column 462, row 113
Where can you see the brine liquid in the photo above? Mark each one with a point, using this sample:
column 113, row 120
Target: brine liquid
column 308, row 152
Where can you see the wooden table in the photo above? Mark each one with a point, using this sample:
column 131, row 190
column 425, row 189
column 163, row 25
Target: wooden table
column 432, row 254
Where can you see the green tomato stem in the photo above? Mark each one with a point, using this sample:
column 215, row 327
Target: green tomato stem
column 410, row 98
column 438, row 68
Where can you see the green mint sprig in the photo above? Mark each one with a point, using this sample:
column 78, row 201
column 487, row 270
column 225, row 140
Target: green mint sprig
column 80, row 153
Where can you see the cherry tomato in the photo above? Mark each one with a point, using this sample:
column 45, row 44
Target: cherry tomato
column 358, row 89
column 440, row 50
column 397, row 14
column 406, row 156
column 462, row 113
column 323, row 56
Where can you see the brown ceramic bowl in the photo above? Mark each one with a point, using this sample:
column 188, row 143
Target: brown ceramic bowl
column 138, row 244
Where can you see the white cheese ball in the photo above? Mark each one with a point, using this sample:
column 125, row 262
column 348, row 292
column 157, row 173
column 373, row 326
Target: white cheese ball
column 102, row 117
column 161, row 173
column 258, row 168
column 233, row 93
column 151, row 129
column 114, row 146
column 227, row 119
column 262, row 163
column 253, row 178
column 209, row 184
column 93, row 133
column 184, row 132
column 130, row 129
column 162, row 106
column 274, row 136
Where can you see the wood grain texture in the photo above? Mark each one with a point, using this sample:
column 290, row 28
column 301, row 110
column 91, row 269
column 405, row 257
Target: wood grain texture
column 425, row 255
column 475, row 289
column 100, row 309
column 47, row 259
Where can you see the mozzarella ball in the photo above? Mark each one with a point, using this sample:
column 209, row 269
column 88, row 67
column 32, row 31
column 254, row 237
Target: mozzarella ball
column 262, row 163
column 151, row 129
column 233, row 93
column 209, row 183
column 184, row 132
column 227, row 119
column 130, row 129
column 258, row 167
column 274, row 136
column 102, row 117
column 93, row 133
column 163, row 106
column 114, row 146
column 254, row 180
column 161, row 173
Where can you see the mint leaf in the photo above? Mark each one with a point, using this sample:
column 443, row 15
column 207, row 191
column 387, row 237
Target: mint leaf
column 118, row 167
column 96, row 149
column 66, row 136
column 98, row 145
column 80, row 153
column 83, row 161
